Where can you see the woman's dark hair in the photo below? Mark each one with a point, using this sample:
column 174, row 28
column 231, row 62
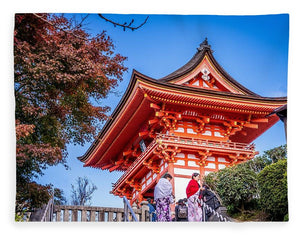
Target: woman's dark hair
column 167, row 175
column 195, row 175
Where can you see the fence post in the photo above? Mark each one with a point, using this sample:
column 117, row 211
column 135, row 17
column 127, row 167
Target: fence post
column 101, row 215
column 119, row 216
column 134, row 208
column 74, row 215
column 83, row 215
column 58, row 216
column 110, row 216
column 66, row 215
column 93, row 215
column 145, row 211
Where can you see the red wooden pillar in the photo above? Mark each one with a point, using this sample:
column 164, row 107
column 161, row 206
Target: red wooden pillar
column 202, row 174
column 171, row 172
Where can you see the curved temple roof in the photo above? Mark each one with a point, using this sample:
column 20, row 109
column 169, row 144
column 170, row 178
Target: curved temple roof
column 134, row 106
column 203, row 50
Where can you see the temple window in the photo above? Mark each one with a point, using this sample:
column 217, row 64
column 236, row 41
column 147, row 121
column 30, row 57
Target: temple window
column 207, row 133
column 180, row 155
column 179, row 129
column 221, row 159
column 180, row 162
column 211, row 166
column 192, row 163
column 218, row 134
column 211, row 158
column 186, row 127
column 191, row 156
column 191, row 131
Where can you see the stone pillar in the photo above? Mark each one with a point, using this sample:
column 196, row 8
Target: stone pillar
column 83, row 215
column 75, row 215
column 145, row 211
column 101, row 216
column 134, row 208
column 110, row 216
column 66, row 215
column 93, row 215
column 119, row 216
column 58, row 216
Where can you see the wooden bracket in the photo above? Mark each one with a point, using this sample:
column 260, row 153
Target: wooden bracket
column 260, row 120
column 134, row 184
column 151, row 166
column 106, row 166
column 251, row 125
column 166, row 153
column 203, row 157
column 154, row 106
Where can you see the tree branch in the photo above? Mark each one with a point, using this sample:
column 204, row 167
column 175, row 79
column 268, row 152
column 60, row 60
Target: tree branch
column 125, row 26
column 57, row 27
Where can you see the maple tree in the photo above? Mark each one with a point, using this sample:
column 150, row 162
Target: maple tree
column 61, row 74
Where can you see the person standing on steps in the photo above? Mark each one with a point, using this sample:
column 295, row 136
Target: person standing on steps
column 210, row 200
column 192, row 192
column 152, row 211
column 163, row 196
column 181, row 210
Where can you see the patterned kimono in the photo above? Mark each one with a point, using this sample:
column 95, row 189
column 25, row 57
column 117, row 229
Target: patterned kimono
column 163, row 198
column 194, row 208
column 163, row 209
column 195, row 211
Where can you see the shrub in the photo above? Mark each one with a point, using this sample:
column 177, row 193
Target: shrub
column 272, row 182
column 236, row 186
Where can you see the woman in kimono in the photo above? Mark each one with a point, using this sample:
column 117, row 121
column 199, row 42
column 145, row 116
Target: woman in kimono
column 192, row 193
column 163, row 197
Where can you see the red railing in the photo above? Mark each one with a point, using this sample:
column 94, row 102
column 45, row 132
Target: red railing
column 189, row 141
column 135, row 163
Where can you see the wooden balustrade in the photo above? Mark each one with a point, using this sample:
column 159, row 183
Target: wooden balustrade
column 93, row 214
column 205, row 142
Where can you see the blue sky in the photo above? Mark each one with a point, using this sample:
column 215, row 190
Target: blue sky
column 252, row 49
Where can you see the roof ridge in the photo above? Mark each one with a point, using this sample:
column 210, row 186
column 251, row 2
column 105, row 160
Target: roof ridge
column 203, row 49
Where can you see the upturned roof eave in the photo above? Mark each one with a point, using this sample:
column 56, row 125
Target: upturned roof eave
column 133, row 80
column 137, row 75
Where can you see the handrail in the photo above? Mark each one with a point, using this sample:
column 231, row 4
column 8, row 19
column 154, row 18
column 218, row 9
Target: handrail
column 205, row 206
column 150, row 146
column 126, row 207
column 45, row 213
column 206, row 142
column 49, row 211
